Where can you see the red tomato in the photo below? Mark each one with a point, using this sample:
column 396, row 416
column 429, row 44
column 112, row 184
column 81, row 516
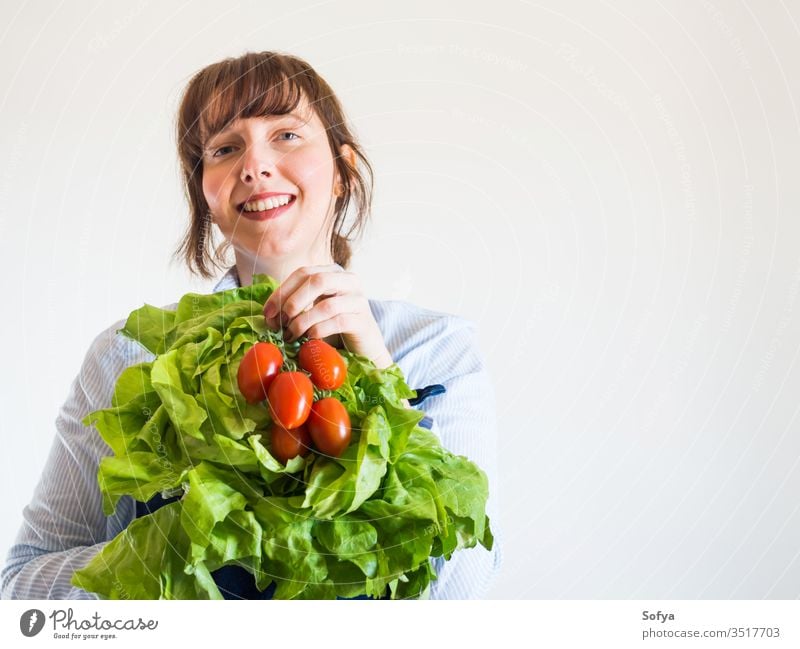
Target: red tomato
column 260, row 365
column 287, row 444
column 329, row 426
column 290, row 397
column 324, row 363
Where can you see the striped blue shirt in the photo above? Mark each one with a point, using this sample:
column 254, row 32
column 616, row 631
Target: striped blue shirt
column 64, row 526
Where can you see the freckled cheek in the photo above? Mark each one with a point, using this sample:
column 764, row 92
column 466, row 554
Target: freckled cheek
column 312, row 171
column 212, row 188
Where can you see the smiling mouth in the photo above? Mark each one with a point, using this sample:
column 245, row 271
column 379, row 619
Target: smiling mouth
column 241, row 206
column 270, row 213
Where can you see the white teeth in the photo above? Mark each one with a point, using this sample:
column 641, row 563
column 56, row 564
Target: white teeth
column 268, row 204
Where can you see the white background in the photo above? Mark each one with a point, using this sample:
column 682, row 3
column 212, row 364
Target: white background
column 609, row 189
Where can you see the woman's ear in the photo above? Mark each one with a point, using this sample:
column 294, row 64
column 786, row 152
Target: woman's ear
column 349, row 155
column 346, row 152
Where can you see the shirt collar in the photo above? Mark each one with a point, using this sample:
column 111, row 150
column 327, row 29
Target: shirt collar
column 229, row 280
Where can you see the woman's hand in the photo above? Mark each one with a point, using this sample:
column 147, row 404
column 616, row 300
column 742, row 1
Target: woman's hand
column 327, row 302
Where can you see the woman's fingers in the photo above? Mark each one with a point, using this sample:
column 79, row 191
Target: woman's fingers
column 327, row 302
column 331, row 315
column 303, row 288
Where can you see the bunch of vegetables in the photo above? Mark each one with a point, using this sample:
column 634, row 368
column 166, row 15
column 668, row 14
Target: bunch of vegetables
column 298, row 422
column 295, row 461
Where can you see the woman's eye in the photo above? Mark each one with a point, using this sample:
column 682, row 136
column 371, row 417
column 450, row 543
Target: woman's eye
column 295, row 137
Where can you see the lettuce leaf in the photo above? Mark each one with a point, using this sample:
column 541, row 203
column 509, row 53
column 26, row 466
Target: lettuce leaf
column 366, row 523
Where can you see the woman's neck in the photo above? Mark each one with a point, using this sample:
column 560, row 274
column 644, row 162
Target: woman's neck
column 279, row 269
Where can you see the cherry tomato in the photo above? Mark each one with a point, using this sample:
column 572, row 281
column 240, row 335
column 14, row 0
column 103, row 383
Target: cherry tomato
column 290, row 396
column 324, row 363
column 329, row 426
column 287, row 444
column 260, row 365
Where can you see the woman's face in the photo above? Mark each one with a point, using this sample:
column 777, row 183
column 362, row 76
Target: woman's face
column 288, row 154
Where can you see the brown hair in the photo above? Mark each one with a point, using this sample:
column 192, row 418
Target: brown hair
column 261, row 84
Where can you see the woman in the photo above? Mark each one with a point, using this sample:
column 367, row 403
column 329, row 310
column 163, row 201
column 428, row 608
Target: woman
column 267, row 157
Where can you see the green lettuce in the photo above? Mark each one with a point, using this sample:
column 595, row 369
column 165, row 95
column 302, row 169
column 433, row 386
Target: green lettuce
column 366, row 523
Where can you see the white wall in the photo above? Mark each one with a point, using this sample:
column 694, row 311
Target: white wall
column 608, row 189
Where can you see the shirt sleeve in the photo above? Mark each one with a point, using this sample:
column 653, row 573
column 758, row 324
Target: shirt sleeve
column 464, row 419
column 64, row 525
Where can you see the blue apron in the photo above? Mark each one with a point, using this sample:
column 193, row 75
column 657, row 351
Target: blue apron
column 234, row 582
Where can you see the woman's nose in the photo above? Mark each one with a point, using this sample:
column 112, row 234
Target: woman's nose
column 258, row 161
